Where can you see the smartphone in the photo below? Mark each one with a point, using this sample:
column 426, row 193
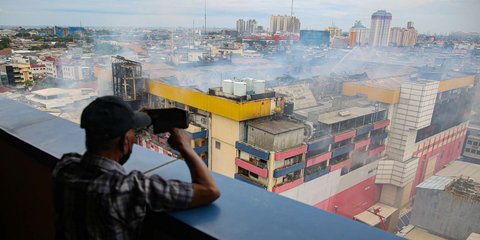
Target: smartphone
column 165, row 119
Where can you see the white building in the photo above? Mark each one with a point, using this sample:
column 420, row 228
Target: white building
column 240, row 26
column 284, row 24
column 50, row 68
column 358, row 35
column 380, row 28
column 76, row 73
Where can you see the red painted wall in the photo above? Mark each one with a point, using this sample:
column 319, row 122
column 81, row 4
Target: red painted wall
column 354, row 200
column 446, row 154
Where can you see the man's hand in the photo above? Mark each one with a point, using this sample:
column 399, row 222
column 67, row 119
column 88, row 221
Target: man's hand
column 180, row 140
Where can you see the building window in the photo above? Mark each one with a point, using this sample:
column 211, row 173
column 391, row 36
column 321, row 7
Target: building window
column 467, row 150
column 478, row 152
column 475, row 143
column 217, row 145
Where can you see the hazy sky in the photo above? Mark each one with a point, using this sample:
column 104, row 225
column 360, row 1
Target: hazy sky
column 430, row 16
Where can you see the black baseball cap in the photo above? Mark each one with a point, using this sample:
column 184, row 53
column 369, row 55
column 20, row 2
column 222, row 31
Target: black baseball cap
column 110, row 117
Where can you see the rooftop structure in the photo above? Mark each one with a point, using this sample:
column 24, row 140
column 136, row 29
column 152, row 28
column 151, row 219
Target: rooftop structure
column 461, row 169
column 447, row 206
column 128, row 82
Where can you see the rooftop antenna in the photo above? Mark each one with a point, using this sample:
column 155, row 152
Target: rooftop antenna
column 291, row 10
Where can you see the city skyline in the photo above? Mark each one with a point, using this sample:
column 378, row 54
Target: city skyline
column 430, row 16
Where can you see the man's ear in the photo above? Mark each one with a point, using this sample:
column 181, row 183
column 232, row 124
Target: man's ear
column 127, row 141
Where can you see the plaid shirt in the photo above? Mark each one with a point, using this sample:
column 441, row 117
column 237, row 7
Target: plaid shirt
column 94, row 198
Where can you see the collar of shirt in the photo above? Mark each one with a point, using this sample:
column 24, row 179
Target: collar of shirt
column 102, row 162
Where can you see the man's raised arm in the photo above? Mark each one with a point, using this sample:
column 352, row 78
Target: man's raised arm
column 205, row 189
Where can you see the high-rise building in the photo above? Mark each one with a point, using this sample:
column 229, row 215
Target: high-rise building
column 334, row 31
column 403, row 37
column 395, row 37
column 284, row 24
column 379, row 28
column 409, row 37
column 240, row 26
column 358, row 35
column 251, row 26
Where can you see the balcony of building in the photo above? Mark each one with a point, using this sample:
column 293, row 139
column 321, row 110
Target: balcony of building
column 33, row 141
column 378, row 137
column 255, row 151
column 288, row 181
column 254, row 166
column 319, row 146
column 340, row 161
column 288, row 153
column 318, row 159
column 289, row 168
column 250, row 177
column 343, row 150
column 316, row 171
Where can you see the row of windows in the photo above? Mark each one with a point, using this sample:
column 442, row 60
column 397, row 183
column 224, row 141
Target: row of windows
column 469, row 150
column 472, row 143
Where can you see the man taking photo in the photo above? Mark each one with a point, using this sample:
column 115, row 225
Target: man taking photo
column 95, row 198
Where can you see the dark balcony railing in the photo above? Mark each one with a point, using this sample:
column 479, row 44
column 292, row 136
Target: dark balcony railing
column 289, row 169
column 320, row 143
column 379, row 137
column 201, row 134
column 260, row 153
column 364, row 129
column 314, row 175
column 33, row 141
column 342, row 150
column 202, row 149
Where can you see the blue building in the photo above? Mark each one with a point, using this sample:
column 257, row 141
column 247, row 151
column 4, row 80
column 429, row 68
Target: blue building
column 315, row 37
column 67, row 31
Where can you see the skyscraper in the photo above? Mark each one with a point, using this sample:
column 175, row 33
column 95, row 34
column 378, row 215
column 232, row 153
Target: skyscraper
column 395, row 38
column 284, row 24
column 251, row 26
column 240, row 26
column 379, row 28
column 403, row 37
column 358, row 35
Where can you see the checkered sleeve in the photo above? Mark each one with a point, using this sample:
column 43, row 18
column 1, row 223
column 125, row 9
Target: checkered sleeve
column 164, row 194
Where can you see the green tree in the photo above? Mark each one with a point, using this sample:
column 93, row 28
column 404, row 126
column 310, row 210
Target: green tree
column 5, row 42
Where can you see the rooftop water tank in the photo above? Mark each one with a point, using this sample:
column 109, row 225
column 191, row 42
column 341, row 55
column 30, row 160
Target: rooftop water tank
column 259, row 86
column 250, row 82
column 239, row 89
column 227, row 86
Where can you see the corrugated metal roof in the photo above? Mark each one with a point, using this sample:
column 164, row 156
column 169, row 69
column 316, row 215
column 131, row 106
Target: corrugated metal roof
column 436, row 182
column 464, row 169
